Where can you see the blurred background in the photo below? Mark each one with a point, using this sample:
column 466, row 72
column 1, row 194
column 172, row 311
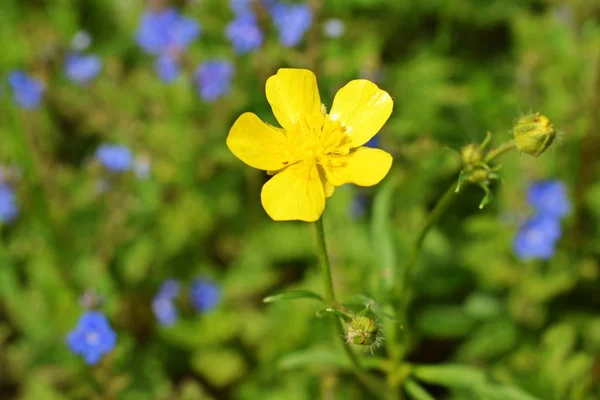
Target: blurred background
column 126, row 223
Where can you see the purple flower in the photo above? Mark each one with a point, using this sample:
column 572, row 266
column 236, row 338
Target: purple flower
column 27, row 91
column 92, row 337
column 117, row 158
column 167, row 67
column 244, row 33
column 213, row 78
column 81, row 68
column 8, row 204
column 163, row 304
column 163, row 31
column 292, row 22
column 204, row 294
column 537, row 238
column 549, row 198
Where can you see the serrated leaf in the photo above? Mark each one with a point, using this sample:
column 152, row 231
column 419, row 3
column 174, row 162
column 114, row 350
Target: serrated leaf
column 293, row 295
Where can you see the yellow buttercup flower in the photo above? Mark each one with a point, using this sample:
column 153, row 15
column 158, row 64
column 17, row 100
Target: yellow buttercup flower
column 315, row 151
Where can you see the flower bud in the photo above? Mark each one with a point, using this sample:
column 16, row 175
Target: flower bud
column 363, row 331
column 533, row 134
column 471, row 155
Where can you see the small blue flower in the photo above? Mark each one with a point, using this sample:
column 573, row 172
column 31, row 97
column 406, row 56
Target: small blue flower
column 8, row 204
column 334, row 28
column 549, row 198
column 27, row 91
column 163, row 304
column 292, row 22
column 142, row 167
column 244, row 33
column 163, row 31
column 537, row 238
column 81, row 41
column 81, row 69
column 213, row 78
column 204, row 294
column 92, row 337
column 241, row 6
column 117, row 158
column 167, row 67
column 373, row 142
column 358, row 207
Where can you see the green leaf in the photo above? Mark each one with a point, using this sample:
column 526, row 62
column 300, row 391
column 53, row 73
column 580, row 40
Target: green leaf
column 312, row 357
column 324, row 311
column 230, row 365
column 451, row 375
column 416, row 391
column 498, row 392
column 383, row 233
column 293, row 295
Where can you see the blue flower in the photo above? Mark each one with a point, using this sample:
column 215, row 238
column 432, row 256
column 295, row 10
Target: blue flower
column 163, row 31
column 241, row 6
column 116, row 158
column 213, row 78
column 167, row 67
column 81, row 69
column 92, row 337
column 81, row 41
column 244, row 33
column 334, row 28
column 27, row 91
column 142, row 167
column 292, row 22
column 204, row 294
column 358, row 207
column 537, row 238
column 549, row 198
column 373, row 142
column 8, row 204
column 163, row 304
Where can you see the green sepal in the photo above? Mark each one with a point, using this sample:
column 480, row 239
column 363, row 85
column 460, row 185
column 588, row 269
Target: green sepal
column 330, row 310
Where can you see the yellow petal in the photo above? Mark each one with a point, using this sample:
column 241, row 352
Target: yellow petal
column 294, row 98
column 296, row 193
column 363, row 167
column 362, row 108
column 258, row 144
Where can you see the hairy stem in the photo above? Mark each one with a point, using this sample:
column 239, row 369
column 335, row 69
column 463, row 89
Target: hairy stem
column 365, row 379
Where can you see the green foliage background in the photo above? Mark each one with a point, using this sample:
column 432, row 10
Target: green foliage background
column 455, row 69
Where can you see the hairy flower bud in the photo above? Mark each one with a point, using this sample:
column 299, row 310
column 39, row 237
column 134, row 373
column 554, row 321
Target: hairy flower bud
column 364, row 331
column 533, row 134
column 471, row 155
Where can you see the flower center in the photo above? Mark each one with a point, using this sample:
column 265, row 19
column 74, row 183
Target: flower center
column 92, row 338
column 322, row 147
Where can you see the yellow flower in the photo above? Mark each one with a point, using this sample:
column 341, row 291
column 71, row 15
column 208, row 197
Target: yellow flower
column 315, row 151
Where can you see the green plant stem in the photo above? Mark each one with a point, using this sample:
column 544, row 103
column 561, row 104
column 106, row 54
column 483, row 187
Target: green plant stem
column 499, row 151
column 441, row 206
column 365, row 379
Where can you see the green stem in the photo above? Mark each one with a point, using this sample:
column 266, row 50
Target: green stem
column 441, row 206
column 365, row 379
column 499, row 151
